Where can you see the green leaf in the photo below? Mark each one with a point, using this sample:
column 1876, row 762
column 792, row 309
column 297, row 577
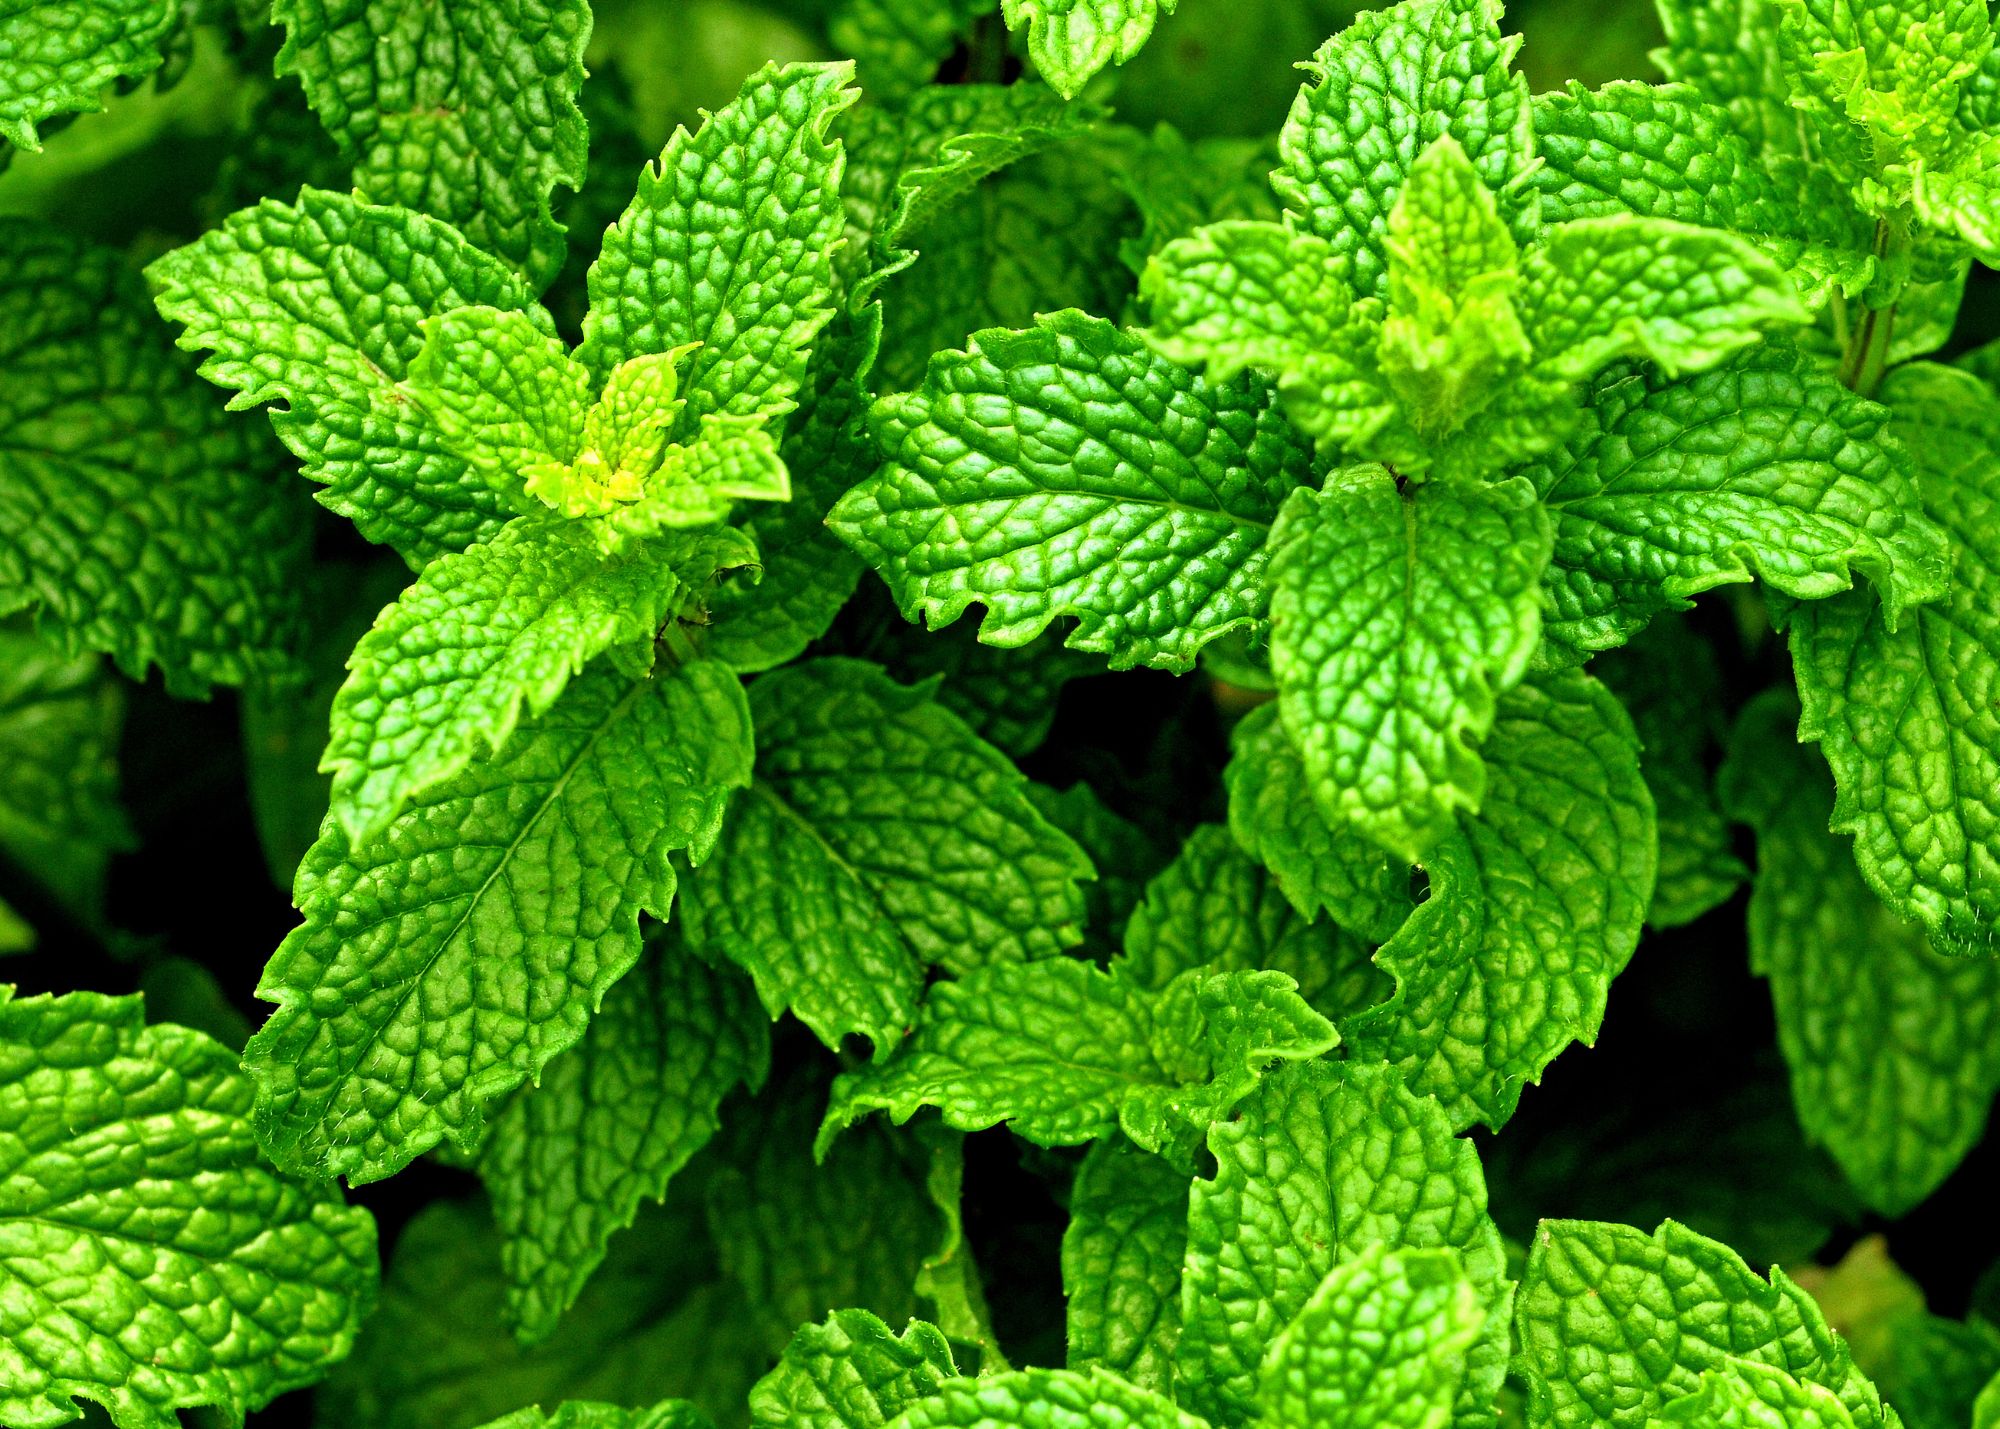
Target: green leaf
column 1381, row 92
column 152, row 1262
column 657, row 1321
column 1765, row 468
column 1399, row 614
column 881, row 836
column 1066, row 471
column 901, row 43
column 63, row 54
column 1323, row 1162
column 1684, row 298
column 448, row 669
column 1722, row 50
column 136, row 517
column 447, row 962
column 1743, row 1394
column 60, row 821
column 465, row 112
column 730, row 243
column 613, row 1120
column 1904, row 708
column 1064, row 1053
column 1668, row 681
column 1275, row 818
column 1894, row 1049
column 1180, row 187
column 1071, row 40
column 1662, row 151
column 1045, row 1399
column 851, row 1372
column 1382, row 1344
column 1214, row 907
column 1613, row 1323
column 587, row 1414
column 1121, row 1263
column 1511, row 957
column 320, row 306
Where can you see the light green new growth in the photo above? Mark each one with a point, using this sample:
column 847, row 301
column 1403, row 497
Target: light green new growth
column 1045, row 1399
column 466, row 112
column 1398, row 616
column 1904, row 707
column 447, row 961
column 1064, row 1053
column 149, row 1260
column 851, row 1372
column 63, row 54
column 1071, row 40
column 1382, row 1344
column 881, row 837
column 1067, row 471
column 137, row 518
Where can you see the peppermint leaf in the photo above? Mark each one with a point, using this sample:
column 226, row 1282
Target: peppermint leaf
column 1071, row 40
column 1901, row 699
column 1399, row 615
column 881, row 836
column 1323, row 1162
column 586, row 1414
column 1045, row 1399
column 62, row 55
column 445, row 963
column 1891, row 1044
column 613, row 1120
column 851, row 1372
column 467, row 112
column 1129, row 494
column 152, row 1262
column 1743, row 1394
column 136, row 519
column 1121, row 1263
column 1535, row 906
column 321, row 306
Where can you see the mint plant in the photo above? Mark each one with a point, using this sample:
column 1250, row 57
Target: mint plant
column 971, row 729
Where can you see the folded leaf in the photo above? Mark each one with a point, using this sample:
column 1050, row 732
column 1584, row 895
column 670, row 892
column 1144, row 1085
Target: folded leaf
column 1399, row 614
column 151, row 1261
column 1322, row 1163
column 1766, row 467
column 277, row 295
column 445, row 963
column 851, row 1372
column 1903, row 701
column 136, row 517
column 466, row 112
column 1066, row 471
column 1121, row 1263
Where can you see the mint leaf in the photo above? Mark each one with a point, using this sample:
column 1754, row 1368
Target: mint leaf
column 1684, row 298
column 1891, row 1044
column 136, row 519
column 851, row 1372
column 1900, row 699
column 613, row 1119
column 901, row 43
column 1064, row 1053
column 1662, row 151
column 1322, row 1162
column 320, row 306
column 1066, row 471
column 1045, row 1399
column 467, row 114
column 1722, row 50
column 448, row 961
column 1398, row 615
column 1121, row 1263
column 1765, row 468
column 450, row 667
column 59, row 816
column 729, row 243
column 63, row 54
column 881, row 836
column 1275, row 818
column 1384, row 1341
column 1214, row 907
column 1668, row 681
column 152, row 1262
column 1180, row 187
column 1382, row 91
column 1511, row 957
column 585, row 1414
column 1612, row 1324
column 1743, row 1394
column 1071, row 40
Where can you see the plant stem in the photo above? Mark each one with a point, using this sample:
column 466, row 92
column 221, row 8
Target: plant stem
column 1866, row 360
